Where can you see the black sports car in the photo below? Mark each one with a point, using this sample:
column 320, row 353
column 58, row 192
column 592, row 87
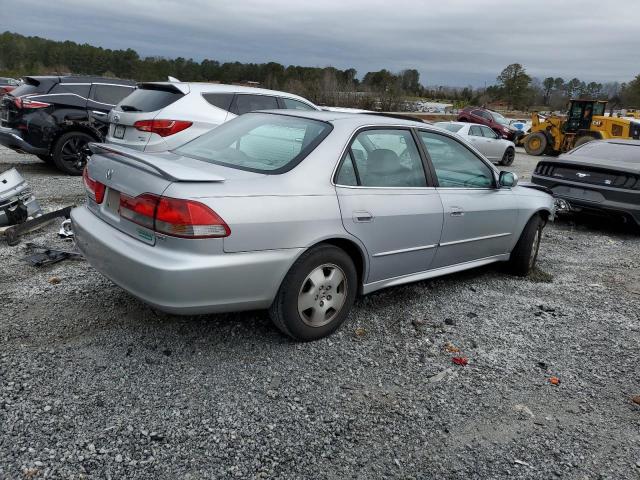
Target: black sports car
column 599, row 176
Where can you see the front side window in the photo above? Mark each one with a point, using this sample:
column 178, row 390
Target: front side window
column 475, row 131
column 251, row 103
column 383, row 158
column 259, row 142
column 487, row 132
column 80, row 90
column 455, row 165
column 291, row 104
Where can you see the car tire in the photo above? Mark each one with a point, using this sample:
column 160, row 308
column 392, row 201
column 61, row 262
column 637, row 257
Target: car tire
column 46, row 158
column 323, row 279
column 508, row 157
column 536, row 143
column 582, row 140
column 68, row 152
column 525, row 254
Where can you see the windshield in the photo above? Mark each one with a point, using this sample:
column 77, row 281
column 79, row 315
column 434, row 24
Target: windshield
column 259, row 142
column 452, row 127
column 499, row 118
column 619, row 151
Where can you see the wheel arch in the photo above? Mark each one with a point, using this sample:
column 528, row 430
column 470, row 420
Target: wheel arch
column 75, row 128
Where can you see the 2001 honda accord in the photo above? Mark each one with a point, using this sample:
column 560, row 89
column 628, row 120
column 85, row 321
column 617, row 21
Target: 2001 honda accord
column 298, row 212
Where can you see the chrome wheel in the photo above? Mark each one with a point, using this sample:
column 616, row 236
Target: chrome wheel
column 534, row 248
column 322, row 295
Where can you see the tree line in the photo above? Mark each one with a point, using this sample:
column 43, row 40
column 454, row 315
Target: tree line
column 23, row 55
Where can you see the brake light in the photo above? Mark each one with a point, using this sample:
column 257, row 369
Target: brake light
column 164, row 128
column 173, row 216
column 94, row 188
column 25, row 103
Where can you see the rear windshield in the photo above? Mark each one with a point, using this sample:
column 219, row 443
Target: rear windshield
column 148, row 100
column 622, row 152
column 259, row 142
column 452, row 127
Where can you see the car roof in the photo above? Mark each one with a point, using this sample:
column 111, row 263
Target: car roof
column 81, row 79
column 356, row 119
column 204, row 87
column 462, row 124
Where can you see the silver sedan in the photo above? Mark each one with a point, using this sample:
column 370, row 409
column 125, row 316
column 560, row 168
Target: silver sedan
column 496, row 149
column 299, row 212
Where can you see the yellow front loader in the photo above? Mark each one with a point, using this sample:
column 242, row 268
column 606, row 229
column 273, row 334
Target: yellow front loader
column 585, row 121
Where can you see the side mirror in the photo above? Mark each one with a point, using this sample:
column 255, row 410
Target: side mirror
column 508, row 179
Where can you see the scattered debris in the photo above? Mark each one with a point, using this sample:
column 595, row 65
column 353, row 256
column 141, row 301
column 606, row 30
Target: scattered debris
column 43, row 255
column 462, row 361
column 66, row 229
column 360, row 332
column 13, row 233
column 17, row 203
column 554, row 381
column 54, row 280
column 442, row 375
column 523, row 409
column 472, row 315
column 520, row 462
column 636, row 399
column 418, row 322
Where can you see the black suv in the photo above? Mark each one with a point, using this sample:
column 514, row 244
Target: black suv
column 56, row 117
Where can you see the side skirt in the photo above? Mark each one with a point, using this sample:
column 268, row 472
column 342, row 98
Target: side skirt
column 436, row 272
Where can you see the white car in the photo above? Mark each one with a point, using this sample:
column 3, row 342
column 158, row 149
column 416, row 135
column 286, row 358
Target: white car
column 162, row 116
column 486, row 141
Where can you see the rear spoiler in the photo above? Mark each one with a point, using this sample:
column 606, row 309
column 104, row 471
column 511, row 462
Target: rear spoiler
column 167, row 169
column 182, row 88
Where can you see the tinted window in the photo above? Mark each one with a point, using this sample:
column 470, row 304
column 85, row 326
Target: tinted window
column 259, row 142
column 475, row 131
column 455, row 165
column 385, row 158
column 292, row 104
column 220, row 100
column 487, row 132
column 347, row 173
column 149, row 100
column 251, row 103
column 110, row 94
column 452, row 127
column 80, row 90
column 622, row 152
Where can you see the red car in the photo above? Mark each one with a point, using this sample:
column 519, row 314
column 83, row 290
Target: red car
column 494, row 120
column 7, row 84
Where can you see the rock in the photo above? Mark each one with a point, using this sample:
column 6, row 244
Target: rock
column 441, row 376
column 523, row 409
column 418, row 322
column 449, row 321
column 636, row 399
column 118, row 458
column 472, row 315
column 47, row 408
column 54, row 280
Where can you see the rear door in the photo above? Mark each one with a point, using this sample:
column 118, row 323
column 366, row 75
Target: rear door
column 388, row 203
column 102, row 98
column 145, row 103
column 494, row 146
column 476, row 138
column 479, row 219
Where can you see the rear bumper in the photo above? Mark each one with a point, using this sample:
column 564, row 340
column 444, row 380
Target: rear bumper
column 181, row 282
column 581, row 196
column 12, row 139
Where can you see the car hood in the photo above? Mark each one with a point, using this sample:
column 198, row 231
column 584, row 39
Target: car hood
column 590, row 162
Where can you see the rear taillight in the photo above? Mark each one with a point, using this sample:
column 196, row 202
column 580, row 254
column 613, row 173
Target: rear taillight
column 94, row 188
column 164, row 128
column 25, row 103
column 173, row 216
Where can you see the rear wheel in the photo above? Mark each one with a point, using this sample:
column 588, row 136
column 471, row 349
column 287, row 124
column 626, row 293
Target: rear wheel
column 525, row 254
column 69, row 153
column 316, row 295
column 582, row 140
column 508, row 157
column 536, row 143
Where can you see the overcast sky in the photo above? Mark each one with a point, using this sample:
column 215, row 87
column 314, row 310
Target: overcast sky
column 450, row 42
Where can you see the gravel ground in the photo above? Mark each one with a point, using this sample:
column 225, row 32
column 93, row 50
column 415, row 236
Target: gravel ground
column 94, row 384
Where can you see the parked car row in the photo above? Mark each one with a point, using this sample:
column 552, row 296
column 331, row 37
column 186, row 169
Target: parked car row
column 497, row 122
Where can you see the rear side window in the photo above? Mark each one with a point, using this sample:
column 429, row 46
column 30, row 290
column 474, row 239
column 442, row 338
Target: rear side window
column 259, row 142
column 110, row 94
column 452, row 127
column 290, row 103
column 220, row 100
column 28, row 89
column 251, row 103
column 149, row 100
column 76, row 89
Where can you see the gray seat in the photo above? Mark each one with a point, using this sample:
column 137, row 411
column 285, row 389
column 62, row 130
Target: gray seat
column 385, row 170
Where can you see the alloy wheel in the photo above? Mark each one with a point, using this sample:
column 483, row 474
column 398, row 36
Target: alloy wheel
column 322, row 295
column 73, row 153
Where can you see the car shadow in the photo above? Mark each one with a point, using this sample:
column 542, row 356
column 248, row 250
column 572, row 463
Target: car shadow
column 614, row 225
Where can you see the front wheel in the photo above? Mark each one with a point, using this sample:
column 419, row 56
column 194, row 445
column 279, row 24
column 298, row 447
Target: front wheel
column 316, row 295
column 536, row 143
column 70, row 152
column 508, row 157
column 525, row 254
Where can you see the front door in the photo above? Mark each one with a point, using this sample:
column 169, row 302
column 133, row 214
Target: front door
column 479, row 218
column 387, row 202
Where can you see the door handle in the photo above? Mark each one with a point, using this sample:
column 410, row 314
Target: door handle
column 98, row 112
column 362, row 217
column 457, row 212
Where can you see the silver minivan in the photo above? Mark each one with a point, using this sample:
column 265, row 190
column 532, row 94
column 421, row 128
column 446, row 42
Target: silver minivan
column 161, row 116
